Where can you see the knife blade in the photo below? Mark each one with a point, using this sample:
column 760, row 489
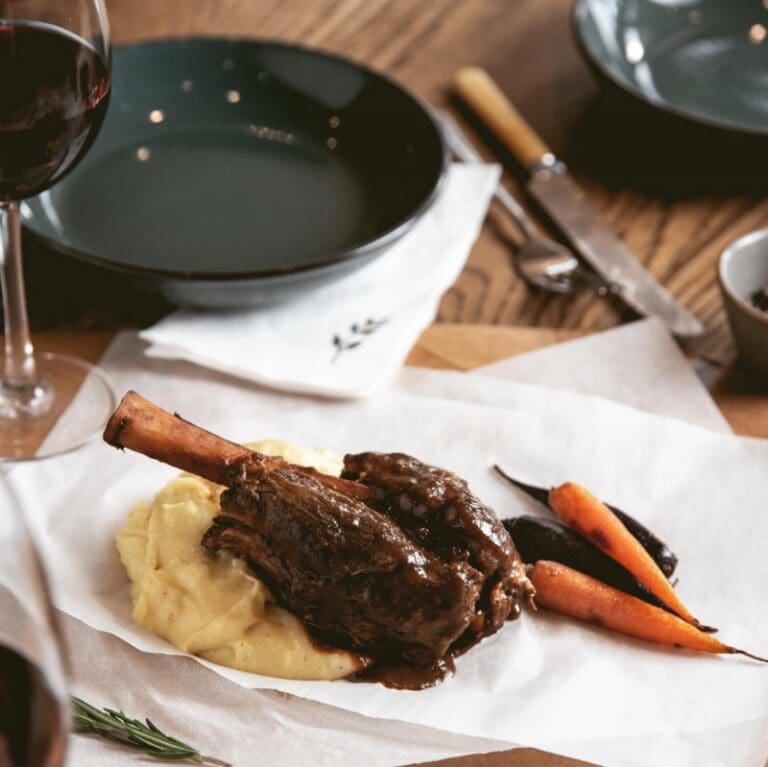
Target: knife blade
column 566, row 204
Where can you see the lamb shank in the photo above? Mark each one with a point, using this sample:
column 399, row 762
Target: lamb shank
column 396, row 560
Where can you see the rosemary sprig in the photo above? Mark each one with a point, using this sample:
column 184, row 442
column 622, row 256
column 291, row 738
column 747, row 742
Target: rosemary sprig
column 144, row 736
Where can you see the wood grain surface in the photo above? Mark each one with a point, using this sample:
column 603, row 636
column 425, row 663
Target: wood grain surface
column 676, row 196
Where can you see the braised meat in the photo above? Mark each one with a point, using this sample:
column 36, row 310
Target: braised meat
column 348, row 571
column 438, row 511
column 395, row 559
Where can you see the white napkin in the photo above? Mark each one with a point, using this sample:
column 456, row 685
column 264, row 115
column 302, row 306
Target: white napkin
column 348, row 338
column 542, row 681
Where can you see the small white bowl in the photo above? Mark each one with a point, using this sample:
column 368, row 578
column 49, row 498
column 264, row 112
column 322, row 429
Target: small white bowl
column 742, row 271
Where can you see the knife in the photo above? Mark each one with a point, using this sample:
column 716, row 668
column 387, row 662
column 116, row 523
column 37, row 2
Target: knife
column 567, row 205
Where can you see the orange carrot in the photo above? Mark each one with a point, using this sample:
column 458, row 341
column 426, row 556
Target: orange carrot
column 590, row 517
column 580, row 596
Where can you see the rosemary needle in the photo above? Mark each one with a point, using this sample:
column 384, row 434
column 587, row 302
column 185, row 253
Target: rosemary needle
column 144, row 736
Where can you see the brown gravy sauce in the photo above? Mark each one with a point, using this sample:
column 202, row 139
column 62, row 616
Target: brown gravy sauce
column 403, row 676
column 399, row 675
column 395, row 674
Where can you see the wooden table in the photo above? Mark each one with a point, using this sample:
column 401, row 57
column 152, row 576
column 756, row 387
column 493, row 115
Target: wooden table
column 676, row 211
column 675, row 205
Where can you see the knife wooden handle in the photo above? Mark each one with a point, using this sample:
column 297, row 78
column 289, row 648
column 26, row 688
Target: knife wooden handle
column 488, row 102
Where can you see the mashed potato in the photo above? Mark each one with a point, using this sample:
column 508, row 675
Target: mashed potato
column 214, row 606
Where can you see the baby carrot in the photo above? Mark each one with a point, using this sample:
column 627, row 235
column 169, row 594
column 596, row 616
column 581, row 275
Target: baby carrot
column 662, row 555
column 572, row 593
column 590, row 517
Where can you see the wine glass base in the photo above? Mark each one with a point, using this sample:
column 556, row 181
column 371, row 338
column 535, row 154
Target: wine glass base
column 20, row 402
column 68, row 406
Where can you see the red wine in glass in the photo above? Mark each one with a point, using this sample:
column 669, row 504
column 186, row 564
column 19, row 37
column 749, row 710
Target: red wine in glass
column 34, row 704
column 54, row 89
column 31, row 727
column 55, row 81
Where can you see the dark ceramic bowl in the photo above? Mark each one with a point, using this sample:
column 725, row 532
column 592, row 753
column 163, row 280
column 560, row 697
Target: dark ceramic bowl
column 743, row 272
column 229, row 173
column 705, row 61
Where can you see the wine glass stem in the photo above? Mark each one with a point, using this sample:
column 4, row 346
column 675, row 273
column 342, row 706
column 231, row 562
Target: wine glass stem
column 19, row 371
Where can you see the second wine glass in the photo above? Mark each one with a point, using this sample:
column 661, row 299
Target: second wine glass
column 34, row 705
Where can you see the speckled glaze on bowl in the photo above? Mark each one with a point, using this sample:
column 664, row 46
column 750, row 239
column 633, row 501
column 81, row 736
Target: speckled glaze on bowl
column 742, row 271
column 702, row 60
column 230, row 173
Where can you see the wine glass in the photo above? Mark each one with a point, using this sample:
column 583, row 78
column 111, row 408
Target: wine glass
column 55, row 80
column 34, row 706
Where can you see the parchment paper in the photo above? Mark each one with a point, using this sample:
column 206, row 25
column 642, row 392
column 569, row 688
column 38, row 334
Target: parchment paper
column 542, row 681
column 637, row 364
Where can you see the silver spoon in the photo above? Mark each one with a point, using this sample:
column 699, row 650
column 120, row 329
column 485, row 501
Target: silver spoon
column 541, row 261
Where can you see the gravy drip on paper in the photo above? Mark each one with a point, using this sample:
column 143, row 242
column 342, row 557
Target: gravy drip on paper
column 215, row 606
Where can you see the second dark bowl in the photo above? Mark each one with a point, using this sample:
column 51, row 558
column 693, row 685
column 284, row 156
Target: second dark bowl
column 703, row 61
